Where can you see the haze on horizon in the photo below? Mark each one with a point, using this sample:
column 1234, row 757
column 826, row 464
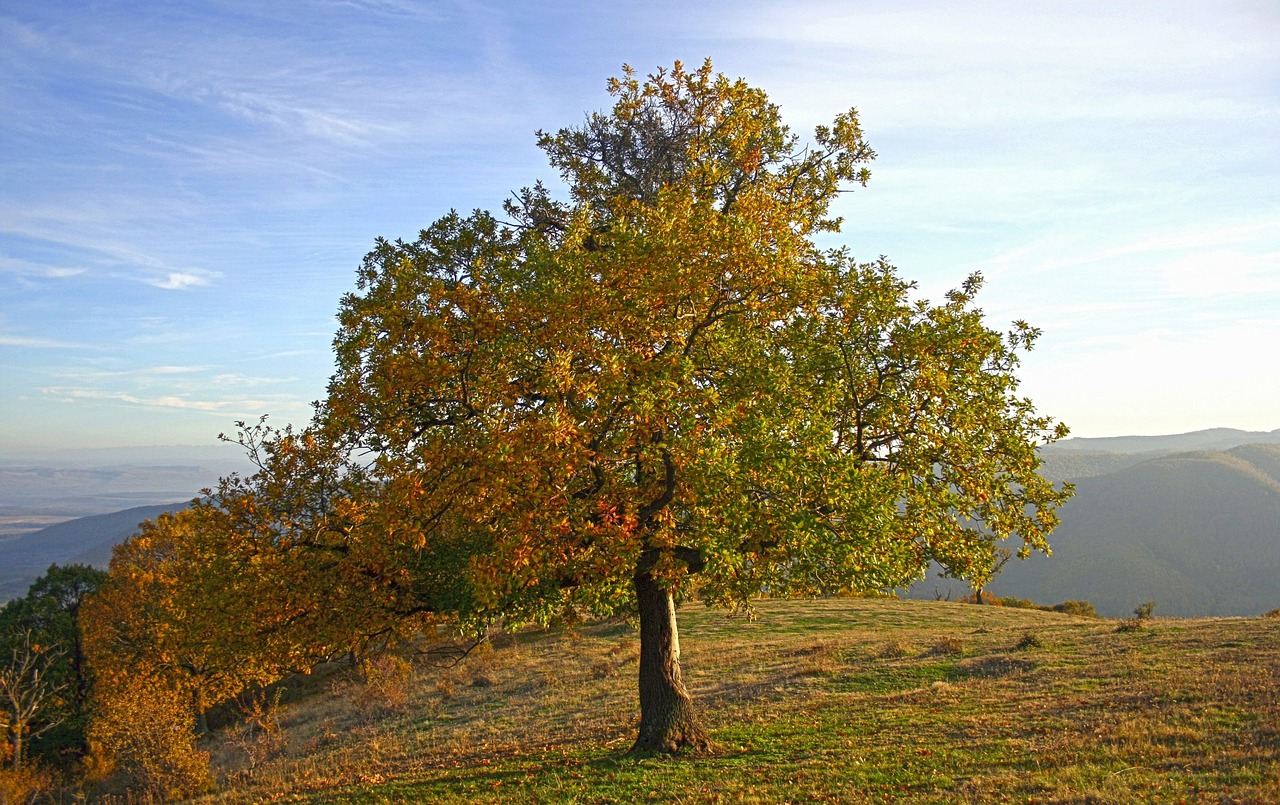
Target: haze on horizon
column 189, row 187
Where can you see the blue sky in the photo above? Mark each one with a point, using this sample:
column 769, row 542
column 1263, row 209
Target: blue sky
column 186, row 188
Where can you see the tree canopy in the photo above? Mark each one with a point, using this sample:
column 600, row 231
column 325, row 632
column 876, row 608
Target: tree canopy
column 655, row 388
column 664, row 382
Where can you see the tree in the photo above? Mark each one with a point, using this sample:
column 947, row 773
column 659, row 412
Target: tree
column 48, row 618
column 26, row 692
column 662, row 386
column 258, row 578
column 657, row 388
column 182, row 607
column 983, row 574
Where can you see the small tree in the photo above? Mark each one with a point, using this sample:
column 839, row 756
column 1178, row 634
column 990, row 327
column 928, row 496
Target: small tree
column 178, row 607
column 48, row 616
column 982, row 574
column 28, row 696
column 144, row 733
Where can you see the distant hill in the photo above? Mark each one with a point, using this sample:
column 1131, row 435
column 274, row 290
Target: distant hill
column 1085, row 458
column 39, row 488
column 1196, row 532
column 87, row 540
column 1211, row 439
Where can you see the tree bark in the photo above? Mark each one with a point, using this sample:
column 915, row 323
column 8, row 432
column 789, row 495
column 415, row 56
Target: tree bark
column 668, row 719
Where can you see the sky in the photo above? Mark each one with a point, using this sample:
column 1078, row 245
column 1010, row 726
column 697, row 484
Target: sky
column 187, row 188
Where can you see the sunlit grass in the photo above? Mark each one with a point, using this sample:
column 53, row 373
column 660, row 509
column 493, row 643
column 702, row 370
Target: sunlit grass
column 818, row 701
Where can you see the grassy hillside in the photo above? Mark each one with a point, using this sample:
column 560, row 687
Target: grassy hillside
column 814, row 701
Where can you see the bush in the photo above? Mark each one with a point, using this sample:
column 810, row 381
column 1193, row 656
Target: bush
column 387, row 684
column 145, row 731
column 27, row 784
column 896, row 650
column 1029, row 640
column 953, row 646
column 1018, row 603
column 1081, row 609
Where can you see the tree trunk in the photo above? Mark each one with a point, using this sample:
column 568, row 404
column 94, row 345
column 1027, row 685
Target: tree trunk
column 668, row 720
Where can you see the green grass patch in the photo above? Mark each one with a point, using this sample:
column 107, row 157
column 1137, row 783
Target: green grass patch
column 865, row 700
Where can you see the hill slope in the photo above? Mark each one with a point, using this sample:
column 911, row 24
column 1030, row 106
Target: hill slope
column 87, row 540
column 1199, row 533
column 1084, row 458
column 813, row 701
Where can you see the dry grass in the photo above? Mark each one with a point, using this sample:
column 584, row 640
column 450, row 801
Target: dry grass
column 817, row 701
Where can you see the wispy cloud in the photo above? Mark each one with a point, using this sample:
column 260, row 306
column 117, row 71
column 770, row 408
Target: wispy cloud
column 175, row 402
column 36, row 269
column 139, row 372
column 249, row 381
column 30, row 342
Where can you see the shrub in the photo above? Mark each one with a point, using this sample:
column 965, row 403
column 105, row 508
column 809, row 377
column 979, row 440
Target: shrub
column 1275, row 613
column 948, row 645
column 26, row 784
column 1030, row 640
column 1081, row 609
column 387, row 684
column 896, row 650
column 146, row 730
column 1143, row 611
column 1017, row 603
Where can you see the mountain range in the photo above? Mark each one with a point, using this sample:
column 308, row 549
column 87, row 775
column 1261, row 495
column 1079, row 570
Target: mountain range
column 1190, row 521
column 84, row 540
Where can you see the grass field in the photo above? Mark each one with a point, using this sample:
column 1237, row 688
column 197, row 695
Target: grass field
column 875, row 700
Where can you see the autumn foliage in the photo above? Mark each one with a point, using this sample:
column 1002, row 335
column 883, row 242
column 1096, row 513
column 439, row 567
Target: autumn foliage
column 657, row 388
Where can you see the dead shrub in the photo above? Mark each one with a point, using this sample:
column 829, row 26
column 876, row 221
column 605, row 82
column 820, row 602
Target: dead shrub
column 386, row 684
column 326, row 735
column 624, row 652
column 446, row 687
column 896, row 650
column 603, row 669
column 947, row 646
column 1141, row 615
column 259, row 734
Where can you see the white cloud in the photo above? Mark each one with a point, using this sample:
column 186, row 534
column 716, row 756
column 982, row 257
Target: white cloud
column 36, row 343
column 249, row 381
column 141, row 372
column 35, row 268
column 177, row 280
column 249, row 407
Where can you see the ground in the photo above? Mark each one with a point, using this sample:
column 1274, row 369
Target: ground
column 870, row 700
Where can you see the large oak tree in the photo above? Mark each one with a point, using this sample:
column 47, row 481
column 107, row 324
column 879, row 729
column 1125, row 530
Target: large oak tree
column 656, row 387
column 660, row 386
